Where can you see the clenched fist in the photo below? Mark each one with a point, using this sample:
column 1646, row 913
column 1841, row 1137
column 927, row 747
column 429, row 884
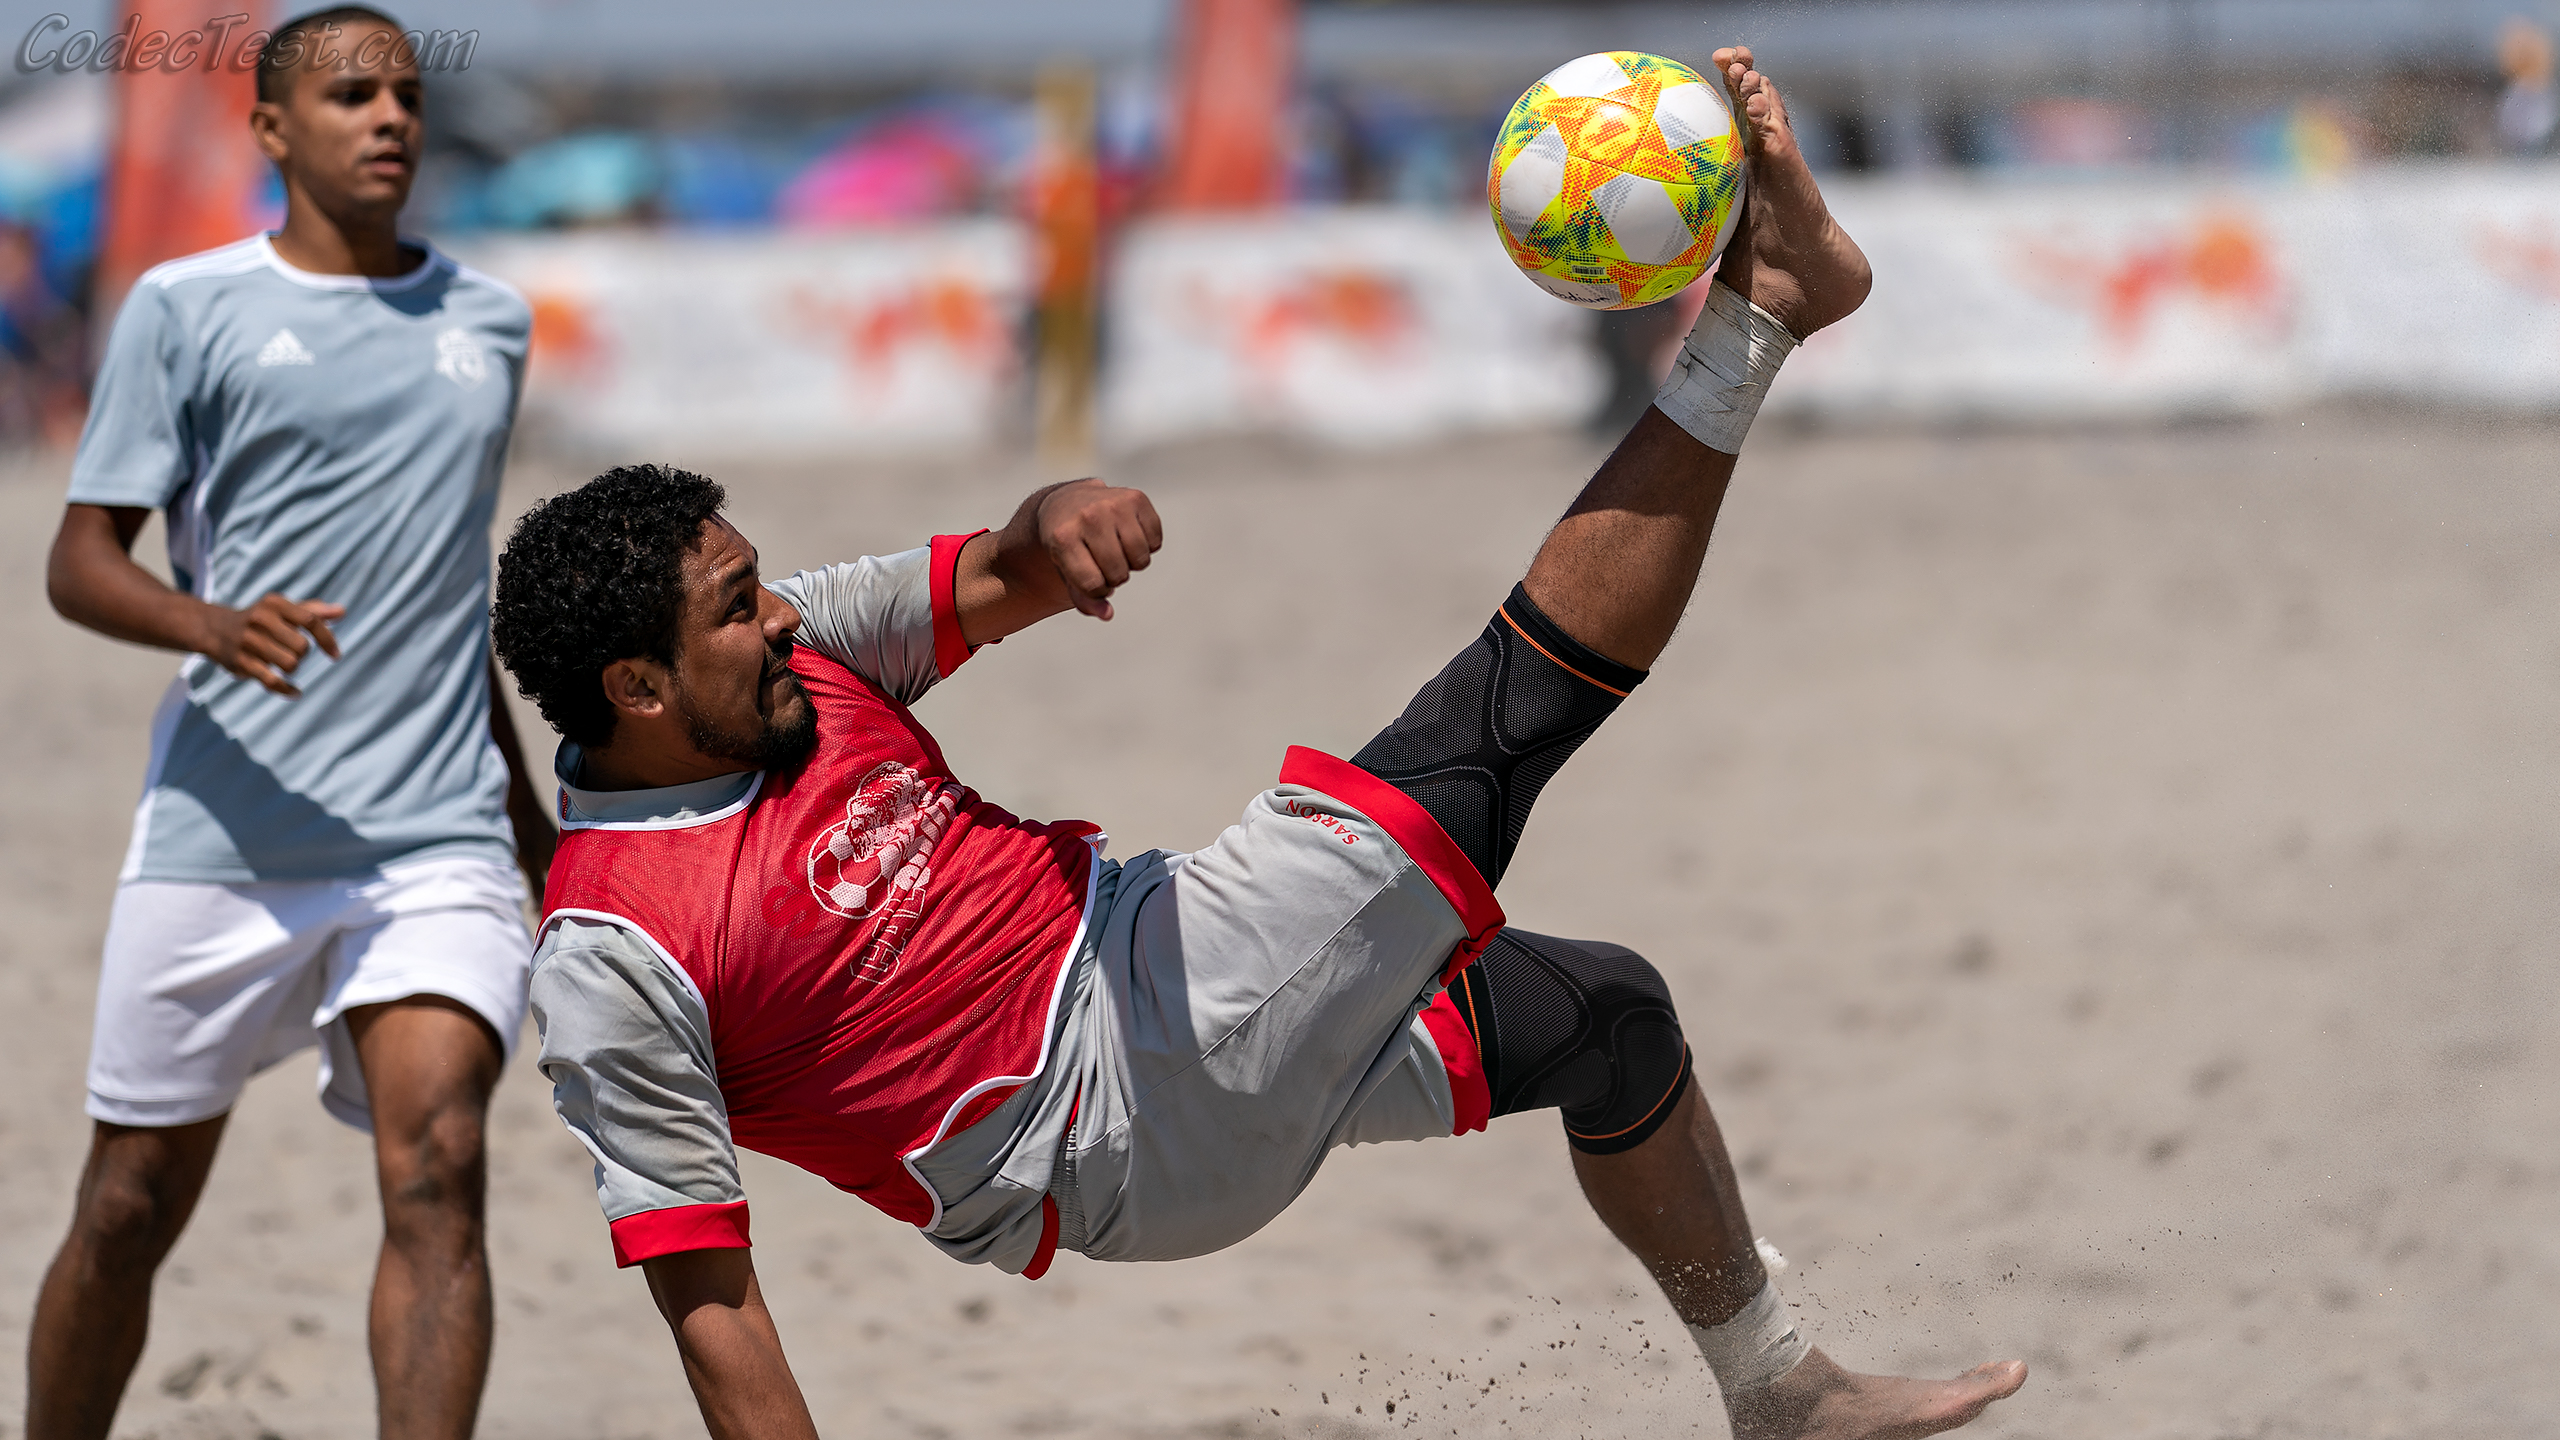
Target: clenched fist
column 1097, row 535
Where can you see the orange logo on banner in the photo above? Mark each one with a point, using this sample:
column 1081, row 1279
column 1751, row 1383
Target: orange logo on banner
column 959, row 315
column 1370, row 310
column 2222, row 258
column 1373, row 313
column 2526, row 259
column 564, row 334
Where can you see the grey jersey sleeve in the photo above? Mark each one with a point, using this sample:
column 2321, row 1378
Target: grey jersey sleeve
column 138, row 447
column 627, row 1048
column 873, row 615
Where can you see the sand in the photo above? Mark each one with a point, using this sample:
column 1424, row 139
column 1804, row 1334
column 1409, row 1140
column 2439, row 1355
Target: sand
column 2107, row 877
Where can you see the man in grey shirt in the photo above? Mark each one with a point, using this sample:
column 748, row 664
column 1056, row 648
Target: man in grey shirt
column 327, row 846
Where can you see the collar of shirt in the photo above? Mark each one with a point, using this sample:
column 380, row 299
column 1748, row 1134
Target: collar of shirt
column 689, row 801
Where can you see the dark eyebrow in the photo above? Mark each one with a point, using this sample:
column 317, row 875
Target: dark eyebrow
column 744, row 570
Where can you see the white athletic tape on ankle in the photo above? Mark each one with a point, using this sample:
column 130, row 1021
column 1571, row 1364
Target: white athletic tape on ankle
column 1751, row 1350
column 1725, row 367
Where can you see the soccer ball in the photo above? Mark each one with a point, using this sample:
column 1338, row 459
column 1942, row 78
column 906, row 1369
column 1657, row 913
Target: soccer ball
column 1617, row 179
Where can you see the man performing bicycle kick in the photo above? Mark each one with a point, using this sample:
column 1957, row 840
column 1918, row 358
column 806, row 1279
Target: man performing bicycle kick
column 778, row 921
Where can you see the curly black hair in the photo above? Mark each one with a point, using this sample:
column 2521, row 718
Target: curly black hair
column 594, row 576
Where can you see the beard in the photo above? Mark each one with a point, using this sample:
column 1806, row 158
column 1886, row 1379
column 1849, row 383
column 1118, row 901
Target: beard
column 780, row 742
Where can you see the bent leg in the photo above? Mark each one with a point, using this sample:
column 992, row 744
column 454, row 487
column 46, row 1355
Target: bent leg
column 94, row 1308
column 429, row 1066
column 1589, row 1029
column 1673, row 1202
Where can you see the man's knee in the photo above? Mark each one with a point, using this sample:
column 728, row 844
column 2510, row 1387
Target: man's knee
column 132, row 1207
column 1585, row 1028
column 434, row 1169
column 1637, row 1028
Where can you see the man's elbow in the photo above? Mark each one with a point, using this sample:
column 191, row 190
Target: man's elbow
column 87, row 541
column 64, row 586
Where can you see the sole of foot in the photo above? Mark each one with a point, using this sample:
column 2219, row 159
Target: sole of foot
column 1818, row 1400
column 1789, row 257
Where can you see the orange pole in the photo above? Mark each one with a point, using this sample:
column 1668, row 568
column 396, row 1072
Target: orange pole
column 1232, row 67
column 182, row 172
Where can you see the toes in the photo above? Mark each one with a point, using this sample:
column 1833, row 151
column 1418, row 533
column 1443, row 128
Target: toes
column 1973, row 1392
column 2001, row 1377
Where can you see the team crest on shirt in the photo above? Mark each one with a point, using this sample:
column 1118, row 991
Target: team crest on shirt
column 460, row 359
column 875, row 864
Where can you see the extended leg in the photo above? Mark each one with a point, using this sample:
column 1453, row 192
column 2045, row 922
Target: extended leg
column 429, row 1065
column 1599, row 604
column 136, row 1193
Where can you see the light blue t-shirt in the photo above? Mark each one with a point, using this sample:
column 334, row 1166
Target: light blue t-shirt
column 326, row 437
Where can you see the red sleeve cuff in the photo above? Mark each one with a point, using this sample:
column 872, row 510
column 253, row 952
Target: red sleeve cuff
column 950, row 648
column 1412, row 827
column 679, row 1228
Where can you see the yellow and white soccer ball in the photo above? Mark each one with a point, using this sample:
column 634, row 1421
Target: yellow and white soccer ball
column 1617, row 179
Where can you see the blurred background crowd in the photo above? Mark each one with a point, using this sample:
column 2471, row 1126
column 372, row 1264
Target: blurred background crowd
column 800, row 118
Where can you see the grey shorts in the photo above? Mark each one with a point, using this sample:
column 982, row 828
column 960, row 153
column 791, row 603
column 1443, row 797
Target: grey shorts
column 1230, row 1016
column 1258, row 1002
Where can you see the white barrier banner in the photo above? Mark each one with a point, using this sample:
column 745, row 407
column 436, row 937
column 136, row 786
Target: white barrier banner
column 1994, row 299
column 2178, row 296
column 764, row 344
column 1349, row 326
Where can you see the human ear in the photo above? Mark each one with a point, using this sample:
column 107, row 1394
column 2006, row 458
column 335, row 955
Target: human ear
column 636, row 688
column 265, row 118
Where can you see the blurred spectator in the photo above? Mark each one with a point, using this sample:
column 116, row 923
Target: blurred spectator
column 42, row 394
column 936, row 158
column 594, row 178
column 52, row 145
column 2315, row 138
column 908, row 168
column 2420, row 112
column 726, row 180
column 2080, row 133
column 2530, row 110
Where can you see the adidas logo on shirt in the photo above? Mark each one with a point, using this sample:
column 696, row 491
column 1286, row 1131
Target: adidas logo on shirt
column 285, row 349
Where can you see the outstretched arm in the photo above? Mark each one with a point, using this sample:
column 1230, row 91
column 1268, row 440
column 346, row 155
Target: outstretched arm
column 732, row 1353
column 1068, row 547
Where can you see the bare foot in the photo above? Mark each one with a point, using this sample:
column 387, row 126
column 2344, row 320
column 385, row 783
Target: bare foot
column 1789, row 256
column 1818, row 1400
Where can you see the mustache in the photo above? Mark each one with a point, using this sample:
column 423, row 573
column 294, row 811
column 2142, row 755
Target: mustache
column 777, row 659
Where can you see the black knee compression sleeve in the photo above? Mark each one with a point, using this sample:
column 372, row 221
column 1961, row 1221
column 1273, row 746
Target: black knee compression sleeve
column 1583, row 1027
column 1478, row 742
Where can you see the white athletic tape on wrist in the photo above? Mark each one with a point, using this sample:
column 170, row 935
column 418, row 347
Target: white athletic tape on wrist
column 1724, row 371
column 1759, row 1344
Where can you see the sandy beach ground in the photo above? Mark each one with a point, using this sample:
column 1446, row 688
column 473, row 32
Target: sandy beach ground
column 2108, row 879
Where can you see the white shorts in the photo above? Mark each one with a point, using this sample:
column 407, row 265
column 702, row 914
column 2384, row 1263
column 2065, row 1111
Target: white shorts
column 205, row 985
